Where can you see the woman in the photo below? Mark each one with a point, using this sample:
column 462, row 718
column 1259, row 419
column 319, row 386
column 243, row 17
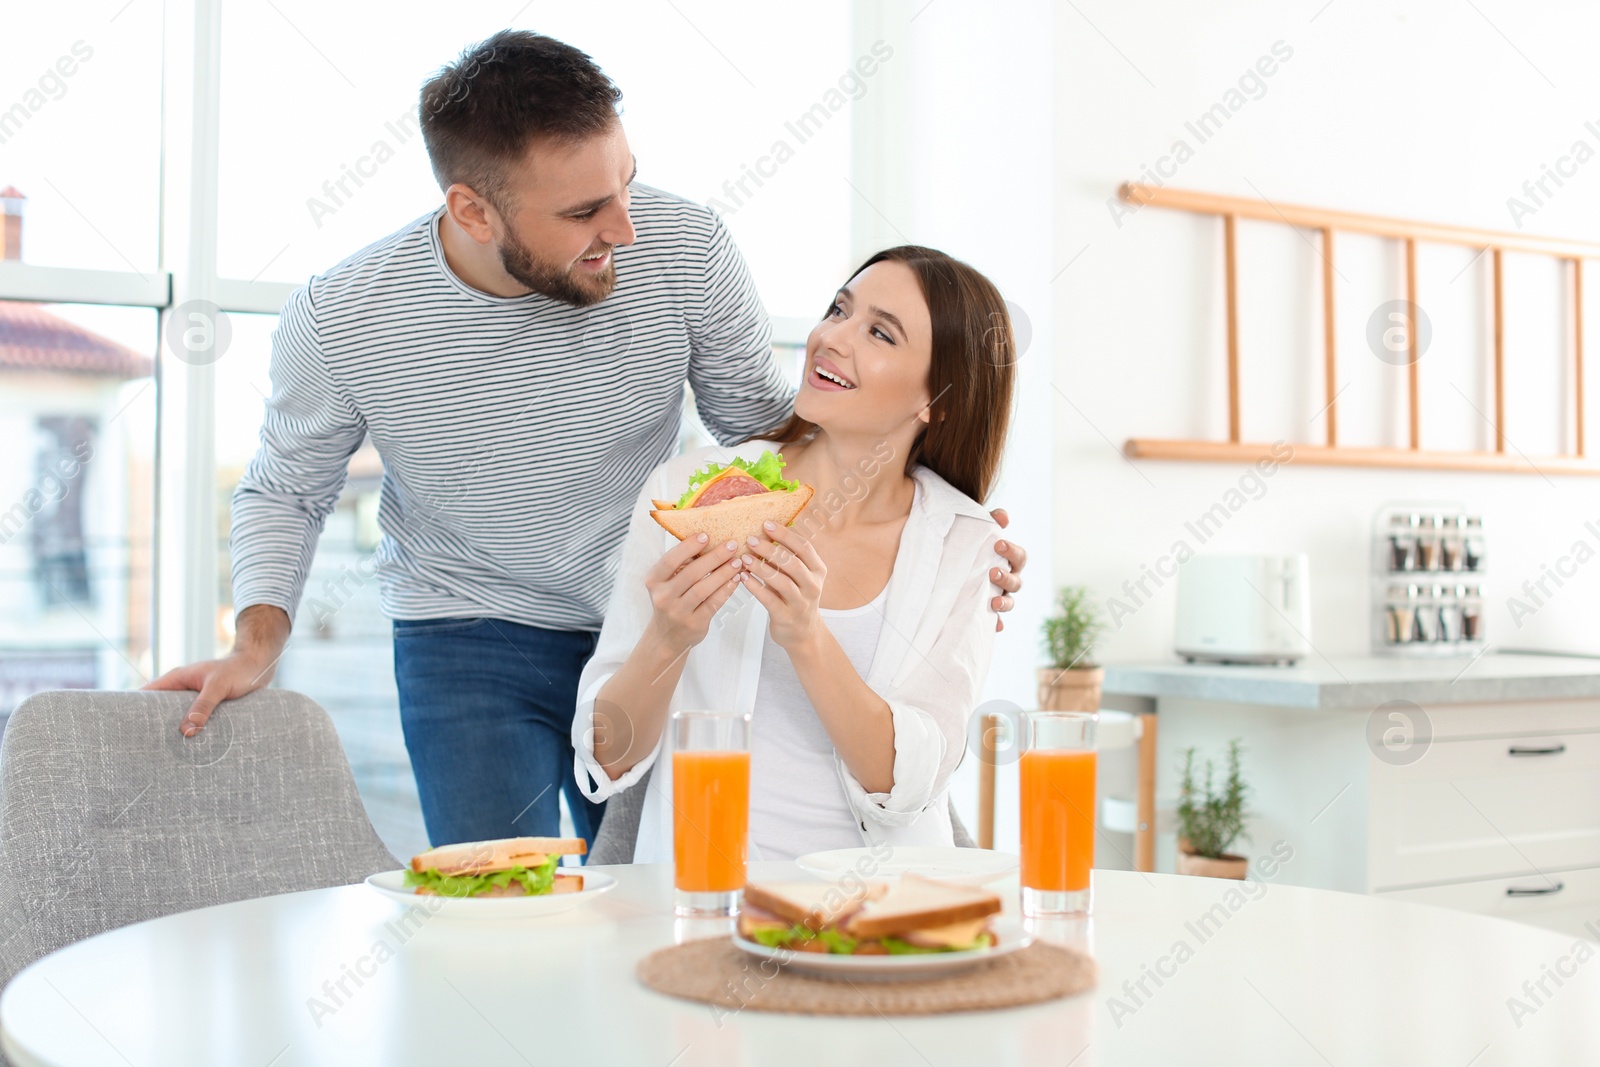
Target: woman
column 859, row 638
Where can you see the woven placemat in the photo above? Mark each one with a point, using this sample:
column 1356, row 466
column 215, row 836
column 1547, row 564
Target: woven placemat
column 715, row 972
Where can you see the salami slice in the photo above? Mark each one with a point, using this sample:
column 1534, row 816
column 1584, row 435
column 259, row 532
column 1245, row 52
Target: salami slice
column 727, row 487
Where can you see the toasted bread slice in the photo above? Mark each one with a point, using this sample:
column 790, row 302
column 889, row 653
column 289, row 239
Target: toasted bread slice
column 917, row 903
column 812, row 904
column 736, row 519
column 568, row 883
column 477, row 857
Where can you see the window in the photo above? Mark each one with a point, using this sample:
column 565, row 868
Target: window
column 80, row 131
column 80, row 181
column 77, row 408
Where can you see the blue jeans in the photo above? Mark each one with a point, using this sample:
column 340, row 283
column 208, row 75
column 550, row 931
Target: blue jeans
column 486, row 707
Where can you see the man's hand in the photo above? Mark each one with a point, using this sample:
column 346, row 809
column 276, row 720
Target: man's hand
column 262, row 632
column 1007, row 581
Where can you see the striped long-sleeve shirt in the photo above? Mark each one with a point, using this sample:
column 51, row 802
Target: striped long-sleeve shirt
column 515, row 432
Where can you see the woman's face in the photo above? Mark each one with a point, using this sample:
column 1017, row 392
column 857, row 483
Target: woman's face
column 867, row 361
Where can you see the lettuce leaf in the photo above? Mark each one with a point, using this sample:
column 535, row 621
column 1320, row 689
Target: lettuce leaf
column 843, row 945
column 536, row 881
column 766, row 469
column 834, row 941
column 772, row 936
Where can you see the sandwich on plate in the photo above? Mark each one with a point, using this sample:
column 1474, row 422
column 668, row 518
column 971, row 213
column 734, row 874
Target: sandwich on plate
column 912, row 915
column 509, row 867
column 731, row 502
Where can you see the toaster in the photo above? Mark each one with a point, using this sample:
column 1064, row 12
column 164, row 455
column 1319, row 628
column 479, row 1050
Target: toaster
column 1244, row 609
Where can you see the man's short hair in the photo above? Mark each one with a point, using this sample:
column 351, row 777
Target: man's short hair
column 480, row 114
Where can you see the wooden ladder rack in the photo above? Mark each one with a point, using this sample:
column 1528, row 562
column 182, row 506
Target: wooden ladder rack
column 1230, row 209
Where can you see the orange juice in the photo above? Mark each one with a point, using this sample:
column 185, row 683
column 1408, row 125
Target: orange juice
column 711, row 820
column 1057, row 819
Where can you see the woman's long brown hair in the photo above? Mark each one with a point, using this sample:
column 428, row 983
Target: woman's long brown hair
column 970, row 376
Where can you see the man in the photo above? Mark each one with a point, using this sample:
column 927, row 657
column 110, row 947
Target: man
column 518, row 360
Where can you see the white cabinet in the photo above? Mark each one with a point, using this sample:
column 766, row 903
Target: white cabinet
column 1515, row 804
column 1561, row 900
column 1501, row 807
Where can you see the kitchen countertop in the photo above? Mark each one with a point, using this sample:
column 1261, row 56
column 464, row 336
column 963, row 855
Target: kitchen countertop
column 1363, row 683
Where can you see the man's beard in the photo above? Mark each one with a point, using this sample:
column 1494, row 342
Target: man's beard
column 563, row 284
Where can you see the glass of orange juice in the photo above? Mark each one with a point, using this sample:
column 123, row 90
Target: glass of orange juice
column 1057, row 771
column 710, row 811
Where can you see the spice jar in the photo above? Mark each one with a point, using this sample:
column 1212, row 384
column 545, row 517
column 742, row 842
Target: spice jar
column 1450, row 542
column 1393, row 634
column 1450, row 615
column 1403, row 542
column 1428, row 614
column 1471, row 612
column 1472, row 545
column 1402, row 614
column 1428, row 544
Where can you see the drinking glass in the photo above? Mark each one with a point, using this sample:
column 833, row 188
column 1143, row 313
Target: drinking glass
column 1057, row 770
column 710, row 811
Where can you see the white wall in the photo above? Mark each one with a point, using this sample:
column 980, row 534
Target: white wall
column 1406, row 109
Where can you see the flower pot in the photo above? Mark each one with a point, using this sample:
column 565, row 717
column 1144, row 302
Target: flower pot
column 1077, row 689
column 1224, row 866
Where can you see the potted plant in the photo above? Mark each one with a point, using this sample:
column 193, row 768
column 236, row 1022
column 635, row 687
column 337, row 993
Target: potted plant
column 1209, row 823
column 1071, row 680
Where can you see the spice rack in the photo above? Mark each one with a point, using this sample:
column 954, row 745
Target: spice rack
column 1429, row 564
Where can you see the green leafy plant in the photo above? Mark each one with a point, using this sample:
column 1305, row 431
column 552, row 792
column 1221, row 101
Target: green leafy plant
column 1070, row 634
column 1211, row 822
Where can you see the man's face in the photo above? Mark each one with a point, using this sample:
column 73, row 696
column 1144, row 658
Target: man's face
column 567, row 208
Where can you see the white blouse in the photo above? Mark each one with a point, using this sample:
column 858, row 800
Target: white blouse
column 797, row 803
column 929, row 663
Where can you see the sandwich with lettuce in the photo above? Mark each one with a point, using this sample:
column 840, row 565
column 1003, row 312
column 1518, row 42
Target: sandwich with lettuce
column 731, row 501
column 909, row 916
column 509, row 867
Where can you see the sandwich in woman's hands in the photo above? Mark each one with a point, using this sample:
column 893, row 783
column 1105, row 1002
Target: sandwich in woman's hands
column 509, row 867
column 912, row 915
column 731, row 502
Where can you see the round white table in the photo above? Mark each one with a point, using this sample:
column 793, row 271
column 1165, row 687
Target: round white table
column 1281, row 976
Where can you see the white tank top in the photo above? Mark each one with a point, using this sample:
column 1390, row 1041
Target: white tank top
column 797, row 804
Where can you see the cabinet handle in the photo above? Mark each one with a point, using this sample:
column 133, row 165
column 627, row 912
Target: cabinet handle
column 1543, row 891
column 1525, row 750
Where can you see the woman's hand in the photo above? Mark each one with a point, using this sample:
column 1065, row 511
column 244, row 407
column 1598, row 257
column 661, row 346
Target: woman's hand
column 687, row 587
column 785, row 574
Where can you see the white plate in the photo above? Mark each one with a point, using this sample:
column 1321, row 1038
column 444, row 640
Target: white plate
column 1008, row 929
column 966, row 866
column 393, row 884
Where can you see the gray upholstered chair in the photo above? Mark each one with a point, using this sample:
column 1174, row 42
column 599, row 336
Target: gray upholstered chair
column 619, row 828
column 109, row 816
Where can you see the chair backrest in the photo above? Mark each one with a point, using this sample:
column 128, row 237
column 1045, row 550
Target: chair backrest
column 619, row 828
column 109, row 816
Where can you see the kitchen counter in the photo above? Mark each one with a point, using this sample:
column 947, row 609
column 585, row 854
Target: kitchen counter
column 1360, row 684
column 1464, row 783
